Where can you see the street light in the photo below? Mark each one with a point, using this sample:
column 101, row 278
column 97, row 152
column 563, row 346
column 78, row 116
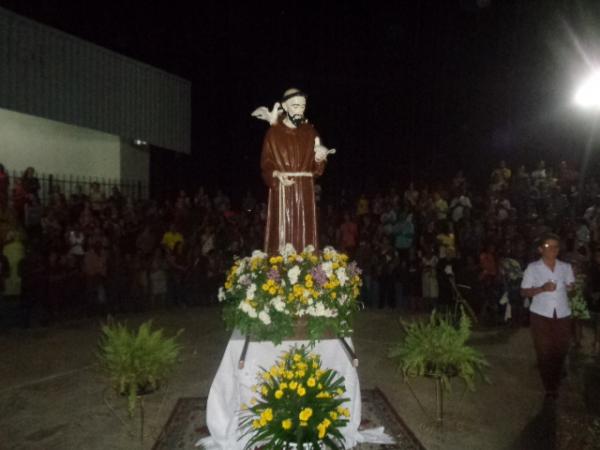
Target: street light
column 588, row 94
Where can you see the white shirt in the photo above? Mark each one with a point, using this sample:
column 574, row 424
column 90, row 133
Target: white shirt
column 545, row 303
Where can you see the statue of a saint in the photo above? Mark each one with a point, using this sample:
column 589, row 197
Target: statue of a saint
column 292, row 156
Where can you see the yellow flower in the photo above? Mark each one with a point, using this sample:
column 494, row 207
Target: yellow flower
column 267, row 415
column 333, row 295
column 297, row 358
column 283, row 386
column 278, row 394
column 301, row 391
column 262, row 421
column 293, row 385
column 335, row 266
column 323, row 394
column 322, row 431
column 303, row 424
column 265, row 287
column 289, row 374
column 272, row 290
column 300, row 374
column 305, row 414
column 343, row 411
column 340, row 391
column 256, row 424
column 272, row 260
column 264, row 391
column 274, row 371
column 333, row 415
column 266, row 376
column 286, row 424
column 311, row 382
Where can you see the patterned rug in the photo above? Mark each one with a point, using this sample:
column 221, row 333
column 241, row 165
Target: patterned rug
column 187, row 424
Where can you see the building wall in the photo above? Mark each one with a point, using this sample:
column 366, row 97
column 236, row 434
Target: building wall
column 135, row 165
column 57, row 148
column 45, row 72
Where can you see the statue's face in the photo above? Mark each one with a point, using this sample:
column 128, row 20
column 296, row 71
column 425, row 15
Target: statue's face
column 294, row 108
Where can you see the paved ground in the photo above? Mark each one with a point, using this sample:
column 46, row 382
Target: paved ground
column 52, row 396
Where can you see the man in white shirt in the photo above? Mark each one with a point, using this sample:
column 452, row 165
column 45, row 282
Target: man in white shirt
column 547, row 281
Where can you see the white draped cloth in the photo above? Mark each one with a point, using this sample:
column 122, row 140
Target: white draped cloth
column 232, row 387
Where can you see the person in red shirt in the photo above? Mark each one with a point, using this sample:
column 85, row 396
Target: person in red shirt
column 348, row 234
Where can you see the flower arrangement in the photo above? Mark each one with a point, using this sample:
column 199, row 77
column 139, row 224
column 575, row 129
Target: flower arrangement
column 264, row 296
column 298, row 404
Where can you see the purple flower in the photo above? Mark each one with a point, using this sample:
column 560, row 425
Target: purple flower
column 319, row 275
column 353, row 269
column 274, row 275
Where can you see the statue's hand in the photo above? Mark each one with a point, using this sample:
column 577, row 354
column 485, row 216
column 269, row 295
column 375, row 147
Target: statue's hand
column 283, row 178
column 263, row 113
column 321, row 152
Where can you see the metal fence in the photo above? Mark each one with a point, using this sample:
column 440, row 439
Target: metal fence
column 69, row 185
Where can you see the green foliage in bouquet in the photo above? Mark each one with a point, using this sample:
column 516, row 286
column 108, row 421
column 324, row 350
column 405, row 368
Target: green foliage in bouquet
column 297, row 402
column 437, row 348
column 264, row 296
column 139, row 361
column 579, row 307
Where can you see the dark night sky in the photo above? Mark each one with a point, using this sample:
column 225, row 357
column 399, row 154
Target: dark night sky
column 400, row 88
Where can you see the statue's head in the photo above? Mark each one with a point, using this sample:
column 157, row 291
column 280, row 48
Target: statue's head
column 293, row 103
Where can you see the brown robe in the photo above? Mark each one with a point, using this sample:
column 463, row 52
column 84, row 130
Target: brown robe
column 291, row 150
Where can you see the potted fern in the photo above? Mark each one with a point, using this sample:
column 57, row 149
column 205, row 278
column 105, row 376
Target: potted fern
column 438, row 349
column 137, row 362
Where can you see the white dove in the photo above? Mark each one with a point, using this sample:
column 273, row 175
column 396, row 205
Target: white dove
column 263, row 113
column 321, row 152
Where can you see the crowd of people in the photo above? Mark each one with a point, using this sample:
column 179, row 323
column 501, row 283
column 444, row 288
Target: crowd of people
column 96, row 252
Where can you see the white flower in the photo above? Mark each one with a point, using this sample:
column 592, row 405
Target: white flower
column 341, row 274
column 244, row 279
column 251, row 291
column 319, row 310
column 343, row 299
column 259, row 254
column 264, row 317
column 293, row 274
column 327, row 267
column 278, row 303
column 248, row 308
column 329, row 249
column 309, row 249
column 288, row 250
column 221, row 295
